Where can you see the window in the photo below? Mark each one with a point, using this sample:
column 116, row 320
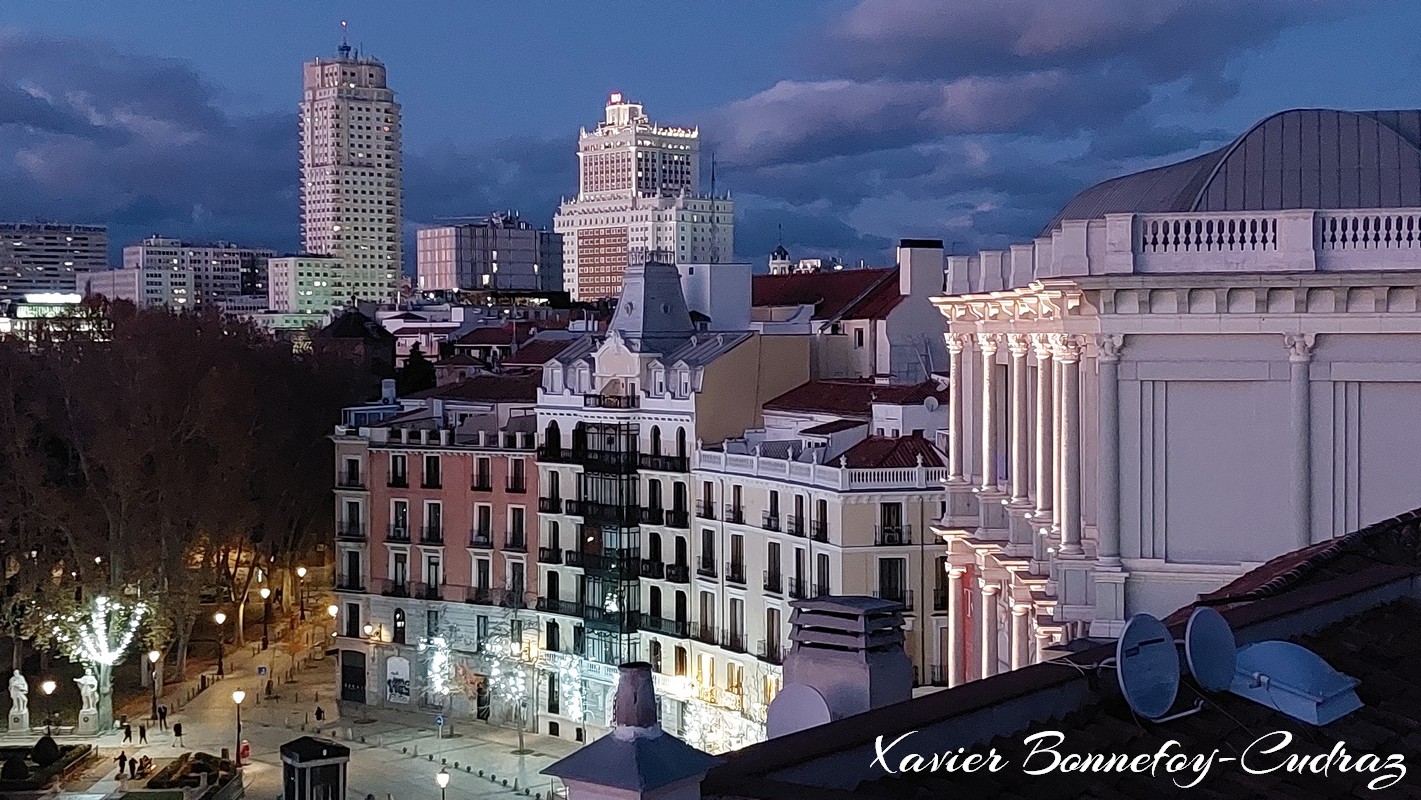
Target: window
column 821, row 577
column 431, row 472
column 431, row 622
column 893, row 579
column 858, row 337
column 483, row 472
column 352, row 620
column 551, row 637
column 399, row 632
column 433, row 572
column 399, row 470
column 680, row 660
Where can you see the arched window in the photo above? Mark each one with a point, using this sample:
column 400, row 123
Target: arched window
column 653, row 493
column 399, row 633
column 654, row 547
column 552, row 437
column 680, row 442
column 554, row 484
column 656, row 440
column 579, row 438
column 678, row 497
column 655, row 609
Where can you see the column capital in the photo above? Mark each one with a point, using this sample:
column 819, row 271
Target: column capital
column 988, row 342
column 957, row 342
column 1020, row 610
column 956, row 573
column 1018, row 344
column 1108, row 346
column 1299, row 346
column 989, row 589
column 1041, row 343
column 1066, row 347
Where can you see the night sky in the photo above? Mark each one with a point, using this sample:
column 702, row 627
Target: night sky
column 849, row 124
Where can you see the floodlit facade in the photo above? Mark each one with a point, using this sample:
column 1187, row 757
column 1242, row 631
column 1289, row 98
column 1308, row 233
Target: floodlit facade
column 48, row 257
column 1192, row 370
column 221, row 271
column 638, row 196
column 322, row 284
column 499, row 253
column 351, row 166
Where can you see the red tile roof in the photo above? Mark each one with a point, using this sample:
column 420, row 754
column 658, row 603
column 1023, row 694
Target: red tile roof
column 487, row 389
column 881, row 452
column 537, row 352
column 835, row 294
column 494, row 334
column 852, row 397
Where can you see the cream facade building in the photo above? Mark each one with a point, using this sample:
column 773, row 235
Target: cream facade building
column 1192, row 370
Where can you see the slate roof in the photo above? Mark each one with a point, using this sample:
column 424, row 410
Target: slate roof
column 537, row 352
column 496, row 334
column 309, row 748
column 1302, row 158
column 852, row 397
column 833, row 426
column 354, row 325
column 837, row 294
column 641, row 764
column 884, row 452
column 487, row 389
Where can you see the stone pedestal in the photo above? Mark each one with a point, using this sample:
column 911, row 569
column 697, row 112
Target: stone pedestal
column 88, row 722
column 19, row 722
column 1109, row 620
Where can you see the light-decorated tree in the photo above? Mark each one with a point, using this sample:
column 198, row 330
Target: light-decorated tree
column 95, row 631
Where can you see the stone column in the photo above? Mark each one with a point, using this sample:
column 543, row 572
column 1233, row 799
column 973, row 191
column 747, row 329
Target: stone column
column 1022, row 644
column 989, row 629
column 987, row 343
column 1017, row 344
column 1045, row 430
column 1108, row 484
column 956, row 343
column 956, row 628
column 1069, row 354
column 1044, row 640
column 1300, row 403
column 1057, row 476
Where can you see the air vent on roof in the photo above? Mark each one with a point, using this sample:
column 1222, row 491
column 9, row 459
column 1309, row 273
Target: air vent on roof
column 1295, row 681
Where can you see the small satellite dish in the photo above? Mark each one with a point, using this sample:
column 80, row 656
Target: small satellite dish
column 1210, row 648
column 1147, row 665
column 796, row 707
column 930, row 403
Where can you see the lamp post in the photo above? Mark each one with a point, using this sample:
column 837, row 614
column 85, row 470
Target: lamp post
column 220, row 618
column 48, row 688
column 301, row 590
column 442, row 778
column 266, row 616
column 153, row 656
column 237, row 698
column 334, row 611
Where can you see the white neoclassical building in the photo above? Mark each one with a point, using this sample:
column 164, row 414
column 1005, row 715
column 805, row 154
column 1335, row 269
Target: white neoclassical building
column 1192, row 370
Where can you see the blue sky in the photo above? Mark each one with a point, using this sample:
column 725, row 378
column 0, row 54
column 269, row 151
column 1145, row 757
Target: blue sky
column 850, row 123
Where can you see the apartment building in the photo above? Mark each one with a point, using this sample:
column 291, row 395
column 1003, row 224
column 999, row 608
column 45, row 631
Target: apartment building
column 48, row 257
column 146, row 287
column 222, row 272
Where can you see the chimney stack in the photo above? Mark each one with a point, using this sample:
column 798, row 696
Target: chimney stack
column 635, row 703
column 387, row 391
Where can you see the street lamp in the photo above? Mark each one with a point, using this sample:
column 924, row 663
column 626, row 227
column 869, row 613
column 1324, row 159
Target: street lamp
column 266, row 615
column 220, row 618
column 153, row 656
column 48, row 688
column 237, row 697
column 301, row 590
column 442, row 778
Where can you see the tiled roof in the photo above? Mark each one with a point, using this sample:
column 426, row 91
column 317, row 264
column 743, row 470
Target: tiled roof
column 833, row 426
column 832, row 294
column 487, row 389
column 460, row 360
column 852, row 397
column 354, row 325
column 887, row 452
column 537, row 352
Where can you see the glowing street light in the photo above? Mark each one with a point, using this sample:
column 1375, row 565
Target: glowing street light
column 266, row 616
column 237, row 697
column 48, row 687
column 220, row 618
column 301, row 590
column 153, row 656
column 442, row 778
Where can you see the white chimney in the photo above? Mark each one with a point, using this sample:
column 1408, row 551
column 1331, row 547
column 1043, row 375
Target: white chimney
column 387, row 391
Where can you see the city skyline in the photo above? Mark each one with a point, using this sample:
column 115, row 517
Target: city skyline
column 189, row 135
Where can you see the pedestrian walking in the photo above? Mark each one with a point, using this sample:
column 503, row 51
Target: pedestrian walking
column 122, row 762
column 127, row 733
column 163, row 717
column 177, row 734
column 143, row 734
column 133, row 768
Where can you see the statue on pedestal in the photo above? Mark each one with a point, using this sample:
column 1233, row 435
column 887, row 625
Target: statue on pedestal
column 88, row 691
column 19, row 695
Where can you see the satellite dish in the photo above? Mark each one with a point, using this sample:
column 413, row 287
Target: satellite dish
column 1210, row 649
column 1147, row 666
column 930, row 403
column 796, row 707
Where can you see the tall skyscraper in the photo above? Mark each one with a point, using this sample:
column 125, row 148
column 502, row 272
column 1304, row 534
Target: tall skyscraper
column 350, row 168
column 638, row 196
column 47, row 257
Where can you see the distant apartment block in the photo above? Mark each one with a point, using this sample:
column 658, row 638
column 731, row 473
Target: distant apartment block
column 221, row 270
column 46, row 257
column 318, row 284
column 498, row 253
column 145, row 287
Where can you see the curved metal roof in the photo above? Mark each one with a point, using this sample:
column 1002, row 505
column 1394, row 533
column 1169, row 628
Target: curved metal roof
column 1303, row 158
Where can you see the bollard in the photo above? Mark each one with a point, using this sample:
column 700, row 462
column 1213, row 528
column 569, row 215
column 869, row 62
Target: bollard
column 515, row 784
column 416, row 751
column 468, row 770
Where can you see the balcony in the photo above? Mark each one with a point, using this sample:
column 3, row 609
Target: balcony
column 667, row 627
column 350, row 583
column 481, row 538
column 398, row 533
column 735, row 572
column 485, row 595
column 735, row 515
column 624, row 563
column 549, row 555
column 897, row 595
column 550, row 505
column 794, row 526
column 482, row 483
column 653, row 569
column 515, row 540
column 706, row 568
column 770, row 652
column 554, row 454
column 652, row 516
column 705, row 633
column 800, row 589
column 622, row 620
column 614, row 461
column 350, row 531
column 431, row 534
column 678, row 573
column 607, row 513
column 705, row 509
column 572, row 558
column 819, row 530
column 770, row 521
column 678, row 518
column 394, row 588
column 427, row 591
column 734, row 641
column 350, row 481
column 553, row 605
column 398, row 482
column 663, row 463
column 892, row 534
column 774, row 582
column 431, row 482
column 609, row 401
column 940, row 599
column 516, row 486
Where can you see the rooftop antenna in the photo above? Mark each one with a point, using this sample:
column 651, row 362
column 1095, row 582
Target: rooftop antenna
column 344, row 48
column 715, row 233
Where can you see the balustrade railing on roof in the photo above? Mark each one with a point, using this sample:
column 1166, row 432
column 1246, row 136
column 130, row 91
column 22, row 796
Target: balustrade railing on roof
column 822, row 475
